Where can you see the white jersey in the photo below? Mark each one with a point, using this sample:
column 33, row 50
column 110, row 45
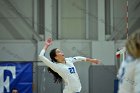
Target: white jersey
column 66, row 71
column 130, row 81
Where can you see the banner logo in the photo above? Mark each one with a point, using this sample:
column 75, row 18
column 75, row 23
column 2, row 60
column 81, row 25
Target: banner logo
column 5, row 79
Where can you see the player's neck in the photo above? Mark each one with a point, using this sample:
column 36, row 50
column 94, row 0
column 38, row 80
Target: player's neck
column 62, row 61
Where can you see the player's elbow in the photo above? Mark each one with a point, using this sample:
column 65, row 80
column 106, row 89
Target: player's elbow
column 40, row 57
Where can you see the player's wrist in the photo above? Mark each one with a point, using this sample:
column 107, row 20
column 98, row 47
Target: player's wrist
column 45, row 47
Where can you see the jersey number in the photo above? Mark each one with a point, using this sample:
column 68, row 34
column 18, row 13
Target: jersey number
column 72, row 70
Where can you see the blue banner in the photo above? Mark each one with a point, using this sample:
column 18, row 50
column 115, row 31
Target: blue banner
column 16, row 76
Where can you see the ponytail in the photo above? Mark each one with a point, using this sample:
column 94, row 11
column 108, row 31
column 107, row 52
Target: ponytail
column 57, row 77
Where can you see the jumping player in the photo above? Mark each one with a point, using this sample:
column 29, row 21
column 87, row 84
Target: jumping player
column 63, row 68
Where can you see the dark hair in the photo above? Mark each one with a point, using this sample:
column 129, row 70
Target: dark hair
column 57, row 77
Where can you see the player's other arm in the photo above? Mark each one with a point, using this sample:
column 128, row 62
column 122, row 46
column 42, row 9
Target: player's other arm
column 93, row 60
column 85, row 59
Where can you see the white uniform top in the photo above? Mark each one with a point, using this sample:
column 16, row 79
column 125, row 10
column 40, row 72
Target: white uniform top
column 66, row 71
column 130, row 80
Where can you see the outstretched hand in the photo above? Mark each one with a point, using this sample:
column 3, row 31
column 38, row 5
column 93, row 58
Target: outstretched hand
column 48, row 42
column 96, row 61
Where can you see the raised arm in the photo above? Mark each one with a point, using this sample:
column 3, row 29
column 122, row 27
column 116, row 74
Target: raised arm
column 48, row 42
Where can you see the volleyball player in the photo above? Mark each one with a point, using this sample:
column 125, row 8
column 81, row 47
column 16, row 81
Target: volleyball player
column 63, row 68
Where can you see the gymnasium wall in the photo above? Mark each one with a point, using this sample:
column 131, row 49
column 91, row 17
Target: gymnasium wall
column 16, row 19
column 17, row 50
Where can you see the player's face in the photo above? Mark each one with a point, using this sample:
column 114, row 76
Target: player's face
column 59, row 55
